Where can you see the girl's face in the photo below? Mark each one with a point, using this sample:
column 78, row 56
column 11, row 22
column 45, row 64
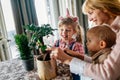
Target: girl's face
column 92, row 43
column 98, row 17
column 66, row 32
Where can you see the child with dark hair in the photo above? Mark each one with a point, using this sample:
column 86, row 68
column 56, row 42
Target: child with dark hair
column 100, row 39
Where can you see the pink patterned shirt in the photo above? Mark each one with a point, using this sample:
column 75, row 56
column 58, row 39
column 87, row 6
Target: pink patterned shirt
column 77, row 47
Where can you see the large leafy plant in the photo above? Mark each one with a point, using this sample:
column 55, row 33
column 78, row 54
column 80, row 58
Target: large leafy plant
column 22, row 43
column 38, row 32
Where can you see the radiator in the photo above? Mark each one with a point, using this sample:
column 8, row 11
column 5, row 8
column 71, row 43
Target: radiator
column 4, row 50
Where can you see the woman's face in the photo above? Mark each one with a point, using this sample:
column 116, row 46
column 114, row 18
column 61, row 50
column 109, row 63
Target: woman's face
column 98, row 17
column 66, row 32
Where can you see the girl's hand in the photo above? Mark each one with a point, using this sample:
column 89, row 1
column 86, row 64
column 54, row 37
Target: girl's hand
column 59, row 54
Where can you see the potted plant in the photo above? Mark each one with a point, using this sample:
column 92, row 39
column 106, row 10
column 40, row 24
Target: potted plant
column 25, row 52
column 46, row 66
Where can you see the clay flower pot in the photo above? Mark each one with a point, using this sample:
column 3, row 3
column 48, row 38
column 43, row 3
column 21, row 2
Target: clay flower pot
column 46, row 69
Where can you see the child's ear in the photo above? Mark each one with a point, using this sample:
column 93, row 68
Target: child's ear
column 102, row 44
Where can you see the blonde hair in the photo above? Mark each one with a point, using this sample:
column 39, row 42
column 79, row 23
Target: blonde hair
column 111, row 6
column 105, row 33
column 75, row 25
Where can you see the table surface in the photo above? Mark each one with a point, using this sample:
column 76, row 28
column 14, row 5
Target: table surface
column 14, row 70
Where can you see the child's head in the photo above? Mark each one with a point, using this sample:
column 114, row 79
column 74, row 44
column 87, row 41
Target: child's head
column 100, row 37
column 69, row 29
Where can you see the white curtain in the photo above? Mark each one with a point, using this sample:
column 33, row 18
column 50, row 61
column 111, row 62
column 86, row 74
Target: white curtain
column 24, row 14
column 63, row 5
column 4, row 47
column 75, row 9
column 2, row 22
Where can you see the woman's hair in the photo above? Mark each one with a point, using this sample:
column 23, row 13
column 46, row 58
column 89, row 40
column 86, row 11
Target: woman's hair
column 72, row 21
column 111, row 6
column 105, row 33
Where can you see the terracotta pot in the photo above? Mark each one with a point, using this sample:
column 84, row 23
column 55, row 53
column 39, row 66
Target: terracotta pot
column 46, row 69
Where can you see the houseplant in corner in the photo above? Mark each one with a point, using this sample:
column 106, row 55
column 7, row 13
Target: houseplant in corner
column 46, row 66
column 25, row 52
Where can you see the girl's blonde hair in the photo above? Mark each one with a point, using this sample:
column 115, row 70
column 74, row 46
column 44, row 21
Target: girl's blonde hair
column 75, row 25
column 111, row 6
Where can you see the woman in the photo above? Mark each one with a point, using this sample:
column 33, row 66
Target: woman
column 99, row 12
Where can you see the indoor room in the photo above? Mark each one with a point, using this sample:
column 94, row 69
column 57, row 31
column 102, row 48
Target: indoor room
column 58, row 40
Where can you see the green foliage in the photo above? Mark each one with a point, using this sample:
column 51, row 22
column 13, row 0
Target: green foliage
column 38, row 32
column 22, row 43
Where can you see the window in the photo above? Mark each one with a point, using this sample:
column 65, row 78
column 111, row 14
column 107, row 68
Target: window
column 10, row 25
column 43, row 11
column 44, row 17
column 47, row 12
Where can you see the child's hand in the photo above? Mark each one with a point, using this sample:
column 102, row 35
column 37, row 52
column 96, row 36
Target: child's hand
column 59, row 54
column 68, row 51
column 74, row 54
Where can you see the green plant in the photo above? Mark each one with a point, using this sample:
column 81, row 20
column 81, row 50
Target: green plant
column 38, row 32
column 22, row 43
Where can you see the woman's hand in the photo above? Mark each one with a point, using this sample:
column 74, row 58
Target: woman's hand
column 59, row 54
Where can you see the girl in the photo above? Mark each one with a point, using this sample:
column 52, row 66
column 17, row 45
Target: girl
column 71, row 38
column 70, row 35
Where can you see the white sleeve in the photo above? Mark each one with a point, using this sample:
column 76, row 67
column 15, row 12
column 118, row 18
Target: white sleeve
column 77, row 66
